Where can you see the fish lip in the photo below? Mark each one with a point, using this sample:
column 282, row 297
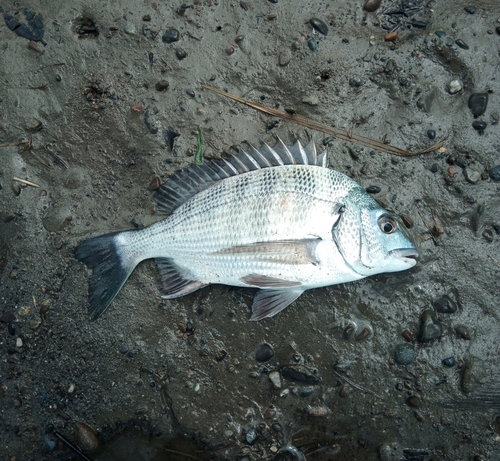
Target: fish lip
column 408, row 255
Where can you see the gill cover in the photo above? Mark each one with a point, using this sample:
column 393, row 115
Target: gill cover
column 369, row 238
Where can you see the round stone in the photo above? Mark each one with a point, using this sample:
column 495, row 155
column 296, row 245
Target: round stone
column 430, row 328
column 478, row 103
column 454, row 86
column 448, row 362
column 431, row 134
column 171, row 36
column 479, row 125
column 313, row 46
column 372, row 5
column 445, row 305
column 404, row 354
column 264, row 353
column 495, row 173
column 319, row 25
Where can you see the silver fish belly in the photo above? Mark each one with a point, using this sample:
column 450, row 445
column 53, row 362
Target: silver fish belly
column 276, row 219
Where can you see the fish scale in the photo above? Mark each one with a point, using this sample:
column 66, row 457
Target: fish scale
column 276, row 219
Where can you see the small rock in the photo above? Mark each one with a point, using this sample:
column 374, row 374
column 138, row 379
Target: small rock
column 470, row 9
column 312, row 100
column 404, row 354
column 391, row 37
column 313, row 46
column 478, row 103
column 479, row 126
column 461, row 161
column 495, row 173
column 430, row 328
column 190, row 92
column 462, row 44
column 300, row 373
column 284, row 58
column 463, row 332
column 372, row 5
column 180, row 53
column 319, row 25
column 306, row 391
column 413, row 401
column 11, row 327
column 454, row 86
column 431, row 134
column 449, row 362
column 251, row 436
column 445, row 305
column 162, row 85
column 440, row 33
column 171, row 36
column 85, row 437
column 373, row 189
column 130, row 29
column 48, row 443
column 472, row 175
column 474, row 374
column 276, row 379
column 264, row 353
column 356, row 81
column 19, row 342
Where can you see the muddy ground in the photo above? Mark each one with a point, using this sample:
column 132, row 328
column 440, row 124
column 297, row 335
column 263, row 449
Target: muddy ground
column 92, row 126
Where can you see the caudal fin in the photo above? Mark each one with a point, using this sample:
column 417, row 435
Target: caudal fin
column 103, row 255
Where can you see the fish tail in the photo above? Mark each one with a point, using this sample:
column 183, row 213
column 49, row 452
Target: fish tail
column 106, row 256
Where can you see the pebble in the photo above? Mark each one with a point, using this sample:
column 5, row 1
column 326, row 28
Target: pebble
column 373, row 189
column 190, row 92
column 391, row 37
column 440, row 33
column 463, row 332
column 300, row 373
column 355, row 81
column 306, row 391
column 445, row 305
column 161, row 85
column 404, row 354
column 454, row 86
column 264, row 353
column 431, row 134
column 470, row 9
column 372, row 5
column 474, row 374
column 449, row 362
column 171, row 36
column 48, row 443
column 495, row 173
column 461, row 161
column 472, row 175
column 312, row 100
column 497, row 28
column 430, row 328
column 276, row 379
column 434, row 168
column 479, row 126
column 130, row 29
column 284, row 58
column 319, row 25
column 313, row 46
column 413, row 401
column 478, row 103
column 85, row 437
column 180, row 53
column 251, row 436
column 19, row 342
column 11, row 328
column 462, row 44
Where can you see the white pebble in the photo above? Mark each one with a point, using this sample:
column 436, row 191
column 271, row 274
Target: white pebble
column 454, row 86
column 19, row 342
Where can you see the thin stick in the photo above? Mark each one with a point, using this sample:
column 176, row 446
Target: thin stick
column 357, row 386
column 342, row 134
column 15, row 143
column 28, row 183
column 72, row 447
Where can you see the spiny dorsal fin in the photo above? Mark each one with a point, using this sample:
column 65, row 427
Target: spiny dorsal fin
column 186, row 183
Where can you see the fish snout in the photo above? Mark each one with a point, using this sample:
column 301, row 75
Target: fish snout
column 407, row 255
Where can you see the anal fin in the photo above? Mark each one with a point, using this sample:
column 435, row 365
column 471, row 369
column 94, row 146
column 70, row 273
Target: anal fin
column 268, row 303
column 173, row 283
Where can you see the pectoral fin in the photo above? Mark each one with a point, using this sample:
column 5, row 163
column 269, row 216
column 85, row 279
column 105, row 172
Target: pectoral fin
column 291, row 252
column 269, row 302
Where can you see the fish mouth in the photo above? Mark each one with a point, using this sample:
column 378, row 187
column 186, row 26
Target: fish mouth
column 408, row 255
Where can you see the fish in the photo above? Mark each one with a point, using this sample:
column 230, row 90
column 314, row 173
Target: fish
column 274, row 218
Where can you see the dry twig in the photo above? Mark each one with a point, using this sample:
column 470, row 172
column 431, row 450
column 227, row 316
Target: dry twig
column 342, row 134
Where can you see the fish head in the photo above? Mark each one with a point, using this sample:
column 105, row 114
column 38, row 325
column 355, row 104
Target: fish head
column 370, row 239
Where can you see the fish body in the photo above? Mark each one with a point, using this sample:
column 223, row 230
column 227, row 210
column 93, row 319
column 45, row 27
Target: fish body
column 276, row 219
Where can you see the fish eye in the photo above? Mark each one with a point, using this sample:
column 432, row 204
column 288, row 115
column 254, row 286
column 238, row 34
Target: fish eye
column 387, row 224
